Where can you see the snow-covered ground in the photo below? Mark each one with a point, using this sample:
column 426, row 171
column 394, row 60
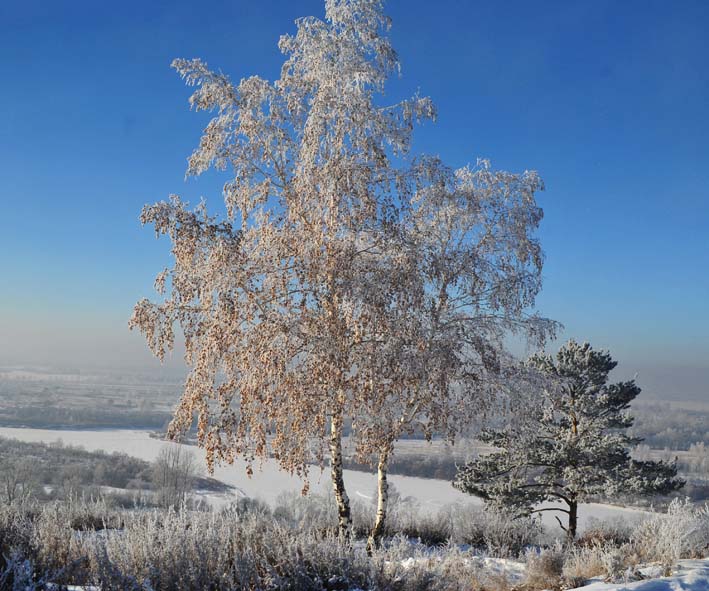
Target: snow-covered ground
column 268, row 482
column 691, row 575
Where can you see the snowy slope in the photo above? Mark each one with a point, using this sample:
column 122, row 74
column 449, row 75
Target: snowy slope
column 691, row 575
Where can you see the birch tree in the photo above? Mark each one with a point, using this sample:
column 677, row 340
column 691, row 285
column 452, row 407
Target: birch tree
column 471, row 270
column 348, row 278
column 273, row 300
column 571, row 446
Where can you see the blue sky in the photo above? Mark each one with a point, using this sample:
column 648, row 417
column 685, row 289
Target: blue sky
column 607, row 100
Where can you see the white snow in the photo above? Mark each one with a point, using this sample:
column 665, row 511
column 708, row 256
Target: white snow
column 691, row 575
column 512, row 570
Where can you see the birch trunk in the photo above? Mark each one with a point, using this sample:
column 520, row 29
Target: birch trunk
column 382, row 500
column 338, row 482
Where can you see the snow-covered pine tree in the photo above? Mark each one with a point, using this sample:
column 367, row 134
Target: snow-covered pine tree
column 570, row 446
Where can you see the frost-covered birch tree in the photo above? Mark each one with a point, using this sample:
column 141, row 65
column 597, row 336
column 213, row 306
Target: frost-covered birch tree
column 570, row 445
column 467, row 271
column 347, row 279
column 273, row 301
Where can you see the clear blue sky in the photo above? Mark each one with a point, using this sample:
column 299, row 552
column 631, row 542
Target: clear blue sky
column 608, row 100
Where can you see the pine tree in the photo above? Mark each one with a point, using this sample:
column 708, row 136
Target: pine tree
column 571, row 446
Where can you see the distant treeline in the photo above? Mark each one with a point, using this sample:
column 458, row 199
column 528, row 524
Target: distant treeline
column 56, row 471
column 441, row 466
column 54, row 464
column 666, row 426
column 56, row 417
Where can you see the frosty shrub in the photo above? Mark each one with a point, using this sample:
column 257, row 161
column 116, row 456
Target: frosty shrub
column 59, row 533
column 581, row 564
column 493, row 531
column 406, row 517
column 244, row 506
column 443, row 567
column 544, row 567
column 47, row 539
column 619, row 563
column 311, row 512
column 615, row 564
column 317, row 511
column 682, row 532
column 14, row 537
column 362, row 517
column 429, row 529
column 181, row 549
column 601, row 532
column 17, row 574
column 488, row 531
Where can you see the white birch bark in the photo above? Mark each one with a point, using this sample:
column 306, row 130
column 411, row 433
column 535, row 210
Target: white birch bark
column 338, row 481
column 382, row 499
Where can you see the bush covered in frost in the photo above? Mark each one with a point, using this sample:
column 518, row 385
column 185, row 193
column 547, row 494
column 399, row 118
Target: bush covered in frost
column 545, row 567
column 246, row 546
column 294, row 545
column 681, row 532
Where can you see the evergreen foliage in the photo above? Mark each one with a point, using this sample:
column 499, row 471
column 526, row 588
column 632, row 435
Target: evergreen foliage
column 571, row 445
